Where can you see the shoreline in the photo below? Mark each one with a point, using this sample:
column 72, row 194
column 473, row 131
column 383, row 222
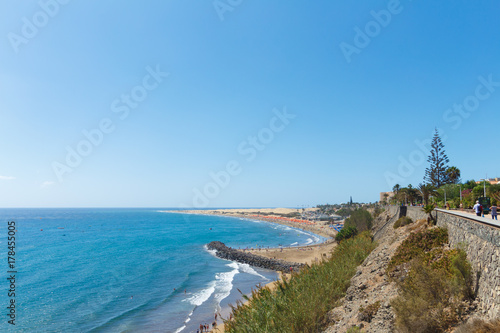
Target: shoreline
column 305, row 254
column 271, row 286
column 272, row 215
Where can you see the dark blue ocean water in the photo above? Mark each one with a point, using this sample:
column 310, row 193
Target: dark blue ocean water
column 115, row 270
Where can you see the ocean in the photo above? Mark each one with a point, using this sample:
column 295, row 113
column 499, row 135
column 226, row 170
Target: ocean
column 126, row 270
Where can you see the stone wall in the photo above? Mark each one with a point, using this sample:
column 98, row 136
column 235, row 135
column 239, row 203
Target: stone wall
column 482, row 244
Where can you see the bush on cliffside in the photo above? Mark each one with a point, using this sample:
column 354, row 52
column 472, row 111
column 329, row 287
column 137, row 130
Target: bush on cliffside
column 366, row 314
column 346, row 233
column 417, row 244
column 402, row 222
column 300, row 304
column 480, row 326
column 438, row 283
column 377, row 211
column 361, row 219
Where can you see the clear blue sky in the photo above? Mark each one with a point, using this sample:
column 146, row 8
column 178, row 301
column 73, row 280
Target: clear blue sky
column 285, row 103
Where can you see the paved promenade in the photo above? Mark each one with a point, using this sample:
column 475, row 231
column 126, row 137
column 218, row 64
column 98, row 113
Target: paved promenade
column 472, row 216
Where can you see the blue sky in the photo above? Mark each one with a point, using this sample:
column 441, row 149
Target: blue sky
column 240, row 103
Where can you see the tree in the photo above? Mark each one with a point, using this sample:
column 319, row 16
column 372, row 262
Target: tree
column 344, row 212
column 396, row 188
column 386, row 195
column 426, row 190
column 361, row 219
column 435, row 174
column 411, row 193
column 428, row 209
column 453, row 175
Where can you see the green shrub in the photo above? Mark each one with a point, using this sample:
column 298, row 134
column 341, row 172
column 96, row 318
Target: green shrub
column 401, row 222
column 428, row 209
column 346, row 233
column 378, row 211
column 431, row 296
column 361, row 219
column 462, row 275
column 418, row 306
column 354, row 329
column 301, row 304
column 416, row 245
column 366, row 314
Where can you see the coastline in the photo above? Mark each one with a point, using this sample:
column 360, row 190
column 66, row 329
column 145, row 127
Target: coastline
column 305, row 254
column 271, row 286
column 273, row 215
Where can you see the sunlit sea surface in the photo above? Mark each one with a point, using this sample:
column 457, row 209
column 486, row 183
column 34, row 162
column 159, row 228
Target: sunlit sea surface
column 128, row 270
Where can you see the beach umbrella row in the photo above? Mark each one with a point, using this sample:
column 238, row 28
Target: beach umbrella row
column 284, row 219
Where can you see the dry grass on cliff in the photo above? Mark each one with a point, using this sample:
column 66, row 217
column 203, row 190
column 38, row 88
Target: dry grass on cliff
column 301, row 304
column 480, row 326
column 434, row 291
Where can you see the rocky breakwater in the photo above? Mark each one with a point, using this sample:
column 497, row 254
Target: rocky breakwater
column 224, row 252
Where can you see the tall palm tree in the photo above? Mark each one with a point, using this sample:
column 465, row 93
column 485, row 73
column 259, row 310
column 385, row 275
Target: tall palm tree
column 396, row 188
column 401, row 195
column 412, row 193
column 426, row 190
column 453, row 174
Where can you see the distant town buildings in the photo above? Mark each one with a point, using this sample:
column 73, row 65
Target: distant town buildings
column 492, row 181
column 386, row 196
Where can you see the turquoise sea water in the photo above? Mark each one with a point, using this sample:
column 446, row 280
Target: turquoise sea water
column 115, row 270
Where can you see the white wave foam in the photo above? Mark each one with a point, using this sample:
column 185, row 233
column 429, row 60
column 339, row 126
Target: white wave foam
column 245, row 268
column 313, row 238
column 293, row 244
column 201, row 297
column 180, row 329
column 224, row 283
column 285, row 228
column 211, row 251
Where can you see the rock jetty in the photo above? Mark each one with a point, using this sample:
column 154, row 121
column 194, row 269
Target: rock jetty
column 224, row 252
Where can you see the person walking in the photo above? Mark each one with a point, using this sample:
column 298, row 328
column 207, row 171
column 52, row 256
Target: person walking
column 494, row 209
column 478, row 208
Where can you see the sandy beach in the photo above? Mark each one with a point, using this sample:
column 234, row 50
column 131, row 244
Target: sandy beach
column 302, row 254
column 275, row 215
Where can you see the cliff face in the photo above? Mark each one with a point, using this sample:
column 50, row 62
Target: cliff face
column 481, row 242
column 367, row 301
column 224, row 252
column 370, row 287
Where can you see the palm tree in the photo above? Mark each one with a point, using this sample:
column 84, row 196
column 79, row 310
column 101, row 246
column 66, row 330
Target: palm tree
column 426, row 190
column 401, row 195
column 453, row 175
column 412, row 193
column 428, row 209
column 396, row 188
